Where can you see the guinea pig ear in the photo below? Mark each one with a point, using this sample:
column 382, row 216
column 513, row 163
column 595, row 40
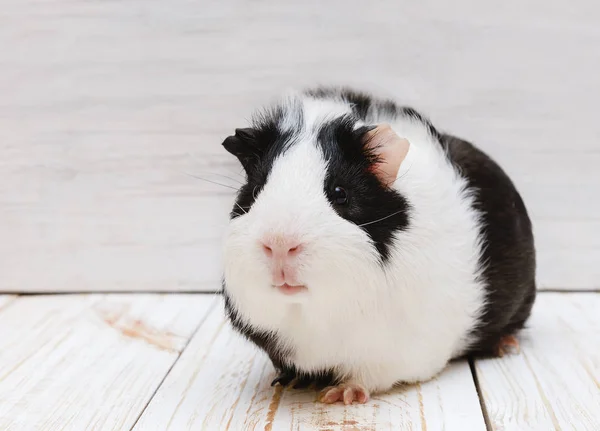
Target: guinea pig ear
column 388, row 150
column 244, row 145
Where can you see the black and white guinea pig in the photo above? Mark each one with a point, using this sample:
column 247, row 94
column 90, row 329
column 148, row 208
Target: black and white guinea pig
column 367, row 248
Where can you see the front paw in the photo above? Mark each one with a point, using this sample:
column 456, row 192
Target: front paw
column 284, row 378
column 348, row 393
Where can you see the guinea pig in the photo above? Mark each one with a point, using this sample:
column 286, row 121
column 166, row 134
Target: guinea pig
column 366, row 248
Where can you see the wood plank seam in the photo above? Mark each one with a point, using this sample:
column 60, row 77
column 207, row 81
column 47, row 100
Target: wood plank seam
column 187, row 388
column 547, row 404
column 484, row 412
column 213, row 305
column 553, row 382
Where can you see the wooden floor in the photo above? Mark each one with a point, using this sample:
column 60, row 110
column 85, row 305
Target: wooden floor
column 171, row 362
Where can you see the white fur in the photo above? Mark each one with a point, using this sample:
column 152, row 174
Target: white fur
column 377, row 326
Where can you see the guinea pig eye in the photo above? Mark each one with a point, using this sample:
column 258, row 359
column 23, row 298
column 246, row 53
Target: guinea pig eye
column 340, row 197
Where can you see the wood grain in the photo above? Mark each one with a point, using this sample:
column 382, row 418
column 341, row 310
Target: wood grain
column 89, row 362
column 222, row 382
column 555, row 382
column 102, row 103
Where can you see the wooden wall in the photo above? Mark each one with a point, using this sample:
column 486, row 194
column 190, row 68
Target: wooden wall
column 106, row 105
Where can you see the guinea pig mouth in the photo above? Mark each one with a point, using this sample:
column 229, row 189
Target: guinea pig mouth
column 287, row 289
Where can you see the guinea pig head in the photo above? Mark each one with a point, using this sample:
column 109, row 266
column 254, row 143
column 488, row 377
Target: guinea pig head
column 316, row 217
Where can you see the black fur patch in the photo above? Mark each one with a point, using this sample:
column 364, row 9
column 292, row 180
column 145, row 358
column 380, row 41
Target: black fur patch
column 508, row 257
column 377, row 209
column 303, row 379
column 258, row 149
column 371, row 109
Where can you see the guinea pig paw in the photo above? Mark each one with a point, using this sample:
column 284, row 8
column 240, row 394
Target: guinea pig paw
column 507, row 345
column 348, row 393
column 284, row 378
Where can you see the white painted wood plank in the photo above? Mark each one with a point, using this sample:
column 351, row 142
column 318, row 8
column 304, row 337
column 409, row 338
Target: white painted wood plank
column 222, row 382
column 557, row 269
column 555, row 382
column 150, row 230
column 103, row 101
column 568, row 253
column 89, row 362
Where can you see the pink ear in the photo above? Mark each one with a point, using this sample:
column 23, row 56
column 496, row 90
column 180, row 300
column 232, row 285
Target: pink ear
column 390, row 149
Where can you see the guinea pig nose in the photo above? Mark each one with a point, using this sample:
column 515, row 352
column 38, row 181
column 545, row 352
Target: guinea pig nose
column 280, row 248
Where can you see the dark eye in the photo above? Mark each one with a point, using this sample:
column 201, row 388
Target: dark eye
column 340, row 197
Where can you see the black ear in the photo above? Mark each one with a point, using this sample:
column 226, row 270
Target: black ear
column 245, row 146
column 248, row 134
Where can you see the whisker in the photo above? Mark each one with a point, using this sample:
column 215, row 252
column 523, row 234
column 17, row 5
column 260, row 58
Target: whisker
column 401, row 176
column 224, row 176
column 197, row 159
column 254, row 192
column 406, row 172
column 239, row 174
column 210, row 181
column 240, row 207
column 381, row 219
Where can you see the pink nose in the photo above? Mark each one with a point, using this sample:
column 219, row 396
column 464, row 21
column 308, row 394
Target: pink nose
column 281, row 252
column 281, row 248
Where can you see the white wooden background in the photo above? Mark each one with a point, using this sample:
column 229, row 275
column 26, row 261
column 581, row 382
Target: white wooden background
column 105, row 104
